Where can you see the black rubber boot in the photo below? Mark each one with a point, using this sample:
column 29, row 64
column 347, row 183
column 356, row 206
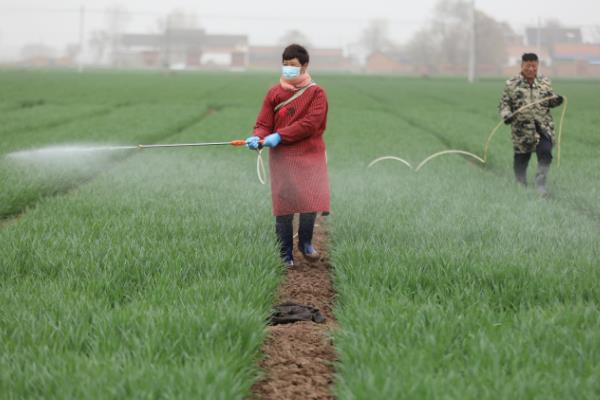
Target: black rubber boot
column 544, row 156
column 285, row 235
column 540, row 178
column 305, row 235
column 520, row 167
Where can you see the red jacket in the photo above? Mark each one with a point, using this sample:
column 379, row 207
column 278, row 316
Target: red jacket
column 298, row 165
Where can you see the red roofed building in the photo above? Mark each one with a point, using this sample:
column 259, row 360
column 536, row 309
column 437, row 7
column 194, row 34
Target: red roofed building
column 183, row 49
column 577, row 52
column 329, row 59
column 576, row 59
column 380, row 62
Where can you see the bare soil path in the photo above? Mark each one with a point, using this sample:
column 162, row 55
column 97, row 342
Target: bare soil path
column 299, row 357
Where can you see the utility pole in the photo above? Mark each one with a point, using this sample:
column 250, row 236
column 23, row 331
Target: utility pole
column 538, row 43
column 81, row 38
column 472, row 55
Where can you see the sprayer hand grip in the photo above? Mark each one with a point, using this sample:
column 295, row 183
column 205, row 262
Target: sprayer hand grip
column 254, row 142
column 242, row 142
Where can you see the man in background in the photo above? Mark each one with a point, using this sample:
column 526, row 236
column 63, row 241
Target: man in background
column 533, row 127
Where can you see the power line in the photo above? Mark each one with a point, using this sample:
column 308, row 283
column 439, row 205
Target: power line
column 154, row 13
column 16, row 10
column 472, row 48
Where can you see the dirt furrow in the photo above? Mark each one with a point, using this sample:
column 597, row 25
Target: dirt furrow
column 299, row 357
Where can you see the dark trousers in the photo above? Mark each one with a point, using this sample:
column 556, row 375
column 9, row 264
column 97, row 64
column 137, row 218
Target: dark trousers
column 285, row 232
column 543, row 152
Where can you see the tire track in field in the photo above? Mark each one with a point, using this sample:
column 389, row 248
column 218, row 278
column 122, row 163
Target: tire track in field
column 383, row 106
column 463, row 107
column 24, row 104
column 68, row 120
column 299, row 357
column 386, row 108
column 13, row 218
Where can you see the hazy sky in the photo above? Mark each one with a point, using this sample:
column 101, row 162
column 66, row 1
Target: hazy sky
column 327, row 23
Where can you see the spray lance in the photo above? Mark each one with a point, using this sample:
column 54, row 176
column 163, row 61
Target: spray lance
column 239, row 142
column 57, row 152
column 260, row 168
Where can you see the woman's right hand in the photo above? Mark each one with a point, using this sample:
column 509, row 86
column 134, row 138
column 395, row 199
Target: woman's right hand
column 253, row 142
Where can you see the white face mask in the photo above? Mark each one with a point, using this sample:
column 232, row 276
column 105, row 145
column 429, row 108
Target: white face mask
column 290, row 72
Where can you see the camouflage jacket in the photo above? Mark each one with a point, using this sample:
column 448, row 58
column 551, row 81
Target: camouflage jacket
column 529, row 124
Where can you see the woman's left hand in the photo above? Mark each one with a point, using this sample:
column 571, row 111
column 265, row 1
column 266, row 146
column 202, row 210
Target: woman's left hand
column 272, row 140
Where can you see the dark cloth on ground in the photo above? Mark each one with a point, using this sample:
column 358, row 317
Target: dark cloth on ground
column 288, row 313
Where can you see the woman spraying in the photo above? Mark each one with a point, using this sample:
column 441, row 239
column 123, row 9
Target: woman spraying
column 291, row 122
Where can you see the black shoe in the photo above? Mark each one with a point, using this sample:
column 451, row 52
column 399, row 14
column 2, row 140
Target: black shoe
column 288, row 262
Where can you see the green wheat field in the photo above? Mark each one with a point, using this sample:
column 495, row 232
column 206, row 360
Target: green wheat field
column 149, row 274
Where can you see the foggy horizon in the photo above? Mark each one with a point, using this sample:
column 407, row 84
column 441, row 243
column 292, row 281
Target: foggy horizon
column 325, row 24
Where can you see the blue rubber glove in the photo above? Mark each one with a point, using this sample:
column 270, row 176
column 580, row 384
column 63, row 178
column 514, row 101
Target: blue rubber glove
column 252, row 142
column 272, row 140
